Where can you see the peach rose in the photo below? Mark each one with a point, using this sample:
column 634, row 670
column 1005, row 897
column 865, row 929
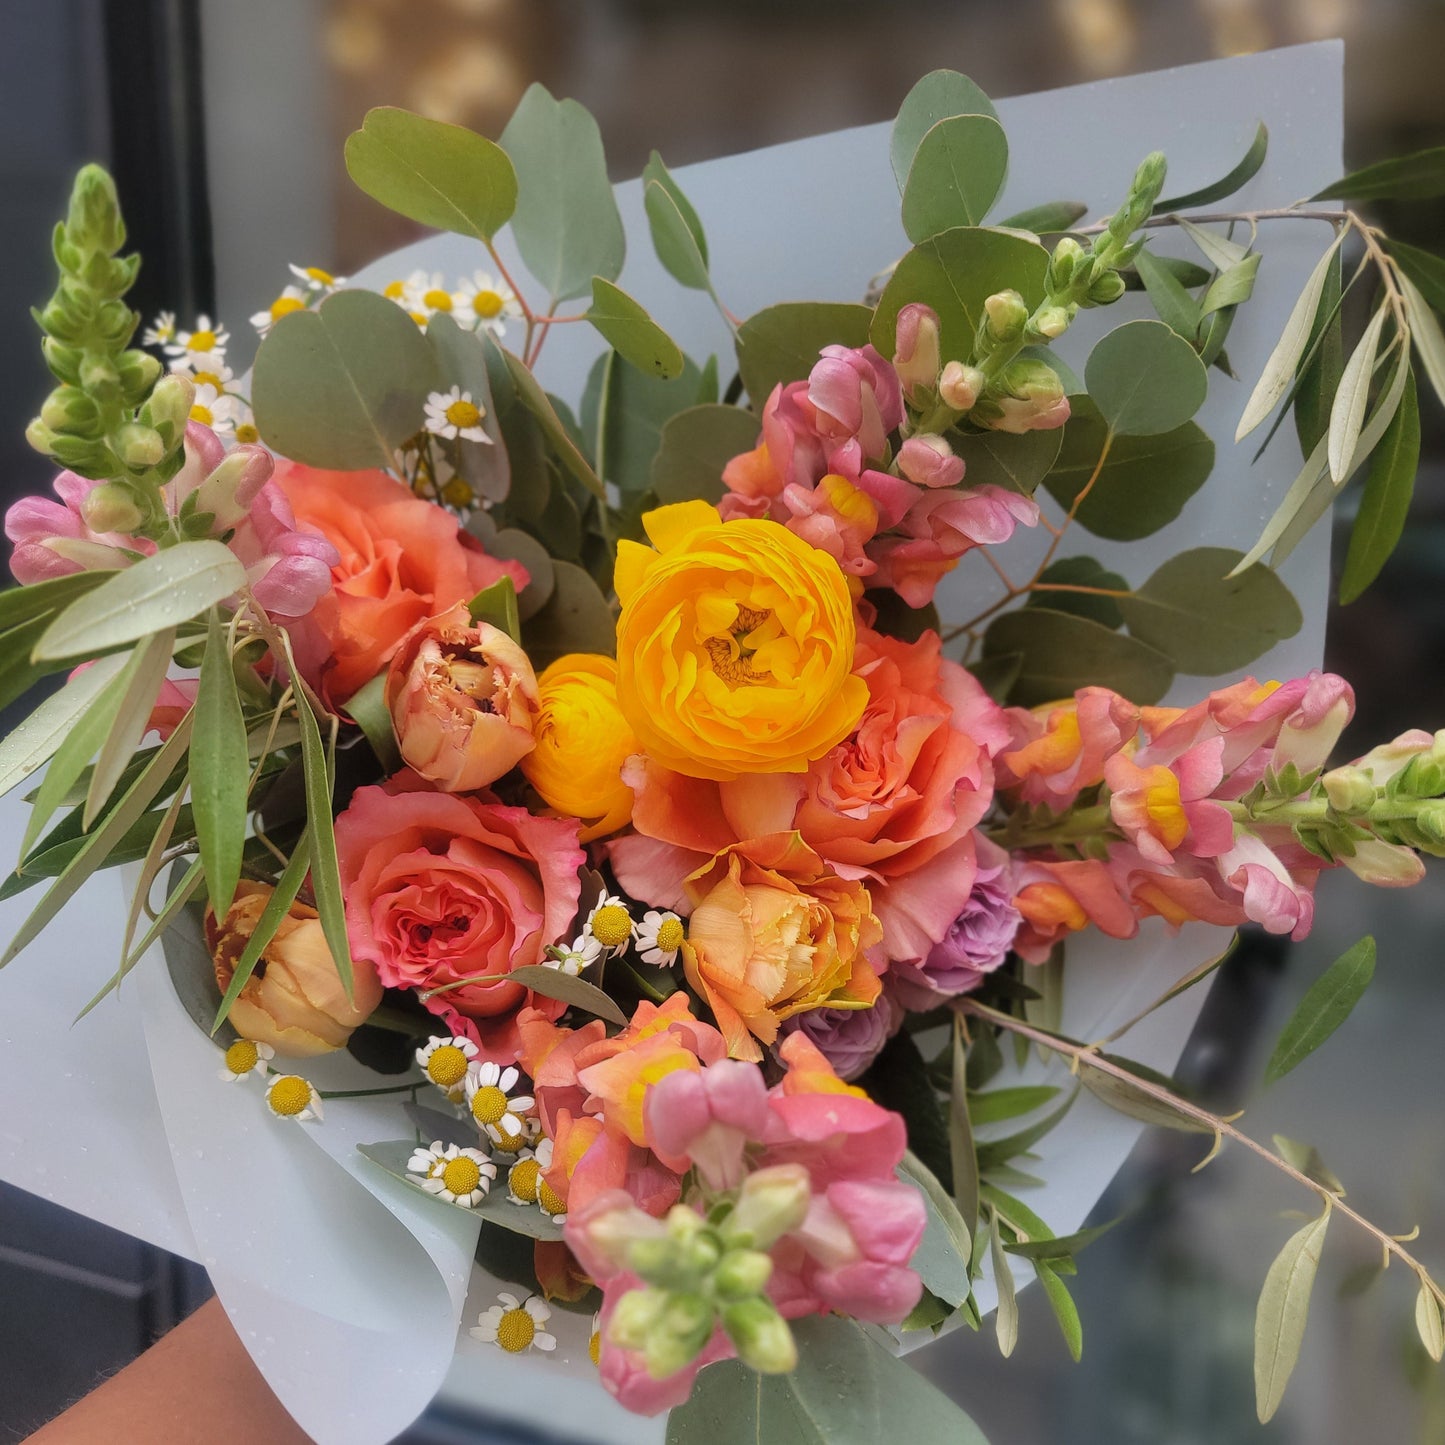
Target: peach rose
column 294, row 1000
column 402, row 560
column 775, row 932
column 463, row 701
column 446, row 890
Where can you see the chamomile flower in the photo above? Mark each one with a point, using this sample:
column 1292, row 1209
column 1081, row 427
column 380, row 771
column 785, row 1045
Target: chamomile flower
column 453, row 414
column 513, row 1144
column 293, row 298
column 245, row 430
column 313, row 278
column 215, row 409
column 427, row 292
column 610, row 923
column 551, row 1203
column 245, row 1058
column 659, row 936
column 445, row 1061
column 523, row 1178
column 484, row 303
column 514, row 1326
column 161, row 330
column 209, row 341
column 496, row 1109
column 455, row 1174
column 582, row 952
column 289, row 1096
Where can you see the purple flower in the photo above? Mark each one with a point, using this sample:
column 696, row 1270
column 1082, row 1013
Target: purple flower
column 976, row 942
column 849, row 1038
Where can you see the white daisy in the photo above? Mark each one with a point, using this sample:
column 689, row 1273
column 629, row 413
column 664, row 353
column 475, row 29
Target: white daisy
column 453, row 414
column 523, row 1178
column 293, row 298
column 498, row 1111
column 244, row 1058
column 454, row 1174
column 160, row 331
column 583, row 951
column 244, row 429
column 445, row 1061
column 215, row 409
column 549, row 1201
column 610, row 923
column 659, row 936
column 313, row 278
column 208, row 339
column 482, row 302
column 289, row 1096
column 515, row 1326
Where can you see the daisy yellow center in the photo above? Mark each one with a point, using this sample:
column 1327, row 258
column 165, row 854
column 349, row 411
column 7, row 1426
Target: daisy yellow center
column 202, row 414
column 489, row 1103
column 612, row 925
column 487, row 304
column 669, row 935
column 446, row 1066
column 289, row 1095
column 457, row 493
column 325, row 278
column 594, row 1347
column 285, row 305
column 247, row 434
column 418, row 316
column 461, row 1175
column 549, row 1199
column 203, row 341
column 393, row 290
column 207, row 378
column 438, row 300
column 522, row 1180
column 515, row 1331
column 510, row 1143
column 242, row 1056
column 463, row 414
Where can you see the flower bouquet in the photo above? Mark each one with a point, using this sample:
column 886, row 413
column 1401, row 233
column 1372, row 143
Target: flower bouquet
column 618, row 836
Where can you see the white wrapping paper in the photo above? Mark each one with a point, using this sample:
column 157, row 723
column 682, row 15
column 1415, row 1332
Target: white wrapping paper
column 352, row 1292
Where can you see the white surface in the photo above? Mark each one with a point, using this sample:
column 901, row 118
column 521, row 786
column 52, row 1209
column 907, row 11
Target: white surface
column 154, row 1144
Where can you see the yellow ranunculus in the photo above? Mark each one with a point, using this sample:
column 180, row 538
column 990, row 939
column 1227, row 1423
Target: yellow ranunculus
column 582, row 740
column 735, row 645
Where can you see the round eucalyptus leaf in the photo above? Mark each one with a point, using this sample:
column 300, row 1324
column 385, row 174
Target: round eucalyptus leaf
column 1145, row 379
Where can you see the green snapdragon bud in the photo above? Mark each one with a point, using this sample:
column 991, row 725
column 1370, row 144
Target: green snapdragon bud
column 1051, row 322
column 742, row 1274
column 138, row 446
column 1006, row 314
column 1069, row 256
column 69, row 409
column 762, row 1337
column 637, row 1314
column 170, row 403
column 773, row 1201
column 94, row 222
column 111, row 507
column 1349, row 789
column 679, row 1335
column 1105, row 289
column 1430, row 819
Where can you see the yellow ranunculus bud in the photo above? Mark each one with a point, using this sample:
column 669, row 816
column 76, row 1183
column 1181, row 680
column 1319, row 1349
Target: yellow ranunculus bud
column 735, row 645
column 582, row 741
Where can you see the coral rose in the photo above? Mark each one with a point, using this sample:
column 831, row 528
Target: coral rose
column 773, row 932
column 735, row 645
column 463, row 699
column 294, row 1000
column 582, row 741
column 446, row 890
column 402, row 560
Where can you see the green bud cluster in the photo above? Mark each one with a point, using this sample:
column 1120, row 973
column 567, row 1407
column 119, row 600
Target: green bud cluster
column 112, row 417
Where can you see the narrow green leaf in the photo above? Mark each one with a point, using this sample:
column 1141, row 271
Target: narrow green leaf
column 160, row 591
column 132, row 719
column 993, row 1152
column 960, row 1135
column 278, row 905
column 1006, row 1324
column 1065, row 1311
column 1239, row 176
column 444, row 176
column 19, row 605
column 1145, row 380
column 1126, row 1097
column 677, row 244
column 220, row 769
column 1231, row 287
column 1283, row 1310
column 942, row 1258
column 1385, row 500
column 1063, row 1247
column 1425, row 270
column 1306, row 1158
column 1279, row 369
column 1177, row 309
column 1429, row 342
column 956, row 176
column 368, row 710
column 497, row 605
column 1318, row 377
column 1047, row 219
column 1416, row 177
column 536, row 401
column 1221, row 252
column 695, row 446
column 577, row 992
column 1000, row 1104
column 940, row 94
column 625, row 325
column 1427, row 1322
column 1324, row 1008
column 150, row 868
column 1347, row 415
column 34, row 741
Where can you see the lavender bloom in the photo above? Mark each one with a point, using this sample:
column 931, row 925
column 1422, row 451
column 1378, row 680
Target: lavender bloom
column 977, row 941
column 849, row 1038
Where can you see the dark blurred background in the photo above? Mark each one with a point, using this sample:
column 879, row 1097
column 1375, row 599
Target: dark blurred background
column 224, row 124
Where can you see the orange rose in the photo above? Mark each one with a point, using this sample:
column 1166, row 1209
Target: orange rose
column 775, row 932
column 402, row 560
column 463, row 700
column 294, row 1000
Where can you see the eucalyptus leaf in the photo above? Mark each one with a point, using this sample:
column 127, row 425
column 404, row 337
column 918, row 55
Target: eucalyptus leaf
column 625, row 410
column 566, row 223
column 678, row 245
column 497, row 606
column 1002, row 459
column 1282, row 1312
column 33, row 742
column 1082, row 572
column 571, row 990
column 576, row 618
column 158, row 592
column 343, row 385
column 1325, row 1006
column 938, row 95
column 956, row 176
column 1006, row 1323
column 695, row 446
column 942, row 1256
column 442, row 175
column 1062, row 653
column 1385, row 500
column 625, row 325
column 1238, row 176
column 1207, row 620
column 656, row 172
column 1177, row 309
column 1347, row 415
column 1145, row 380
column 1065, row 1311
column 781, row 343
column 152, row 659
column 1416, row 177
column 1047, row 219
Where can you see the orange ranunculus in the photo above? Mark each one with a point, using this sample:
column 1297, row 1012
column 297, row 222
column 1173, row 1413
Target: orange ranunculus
column 463, row 700
column 582, row 742
column 402, row 560
column 775, row 932
column 294, row 1001
column 735, row 645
